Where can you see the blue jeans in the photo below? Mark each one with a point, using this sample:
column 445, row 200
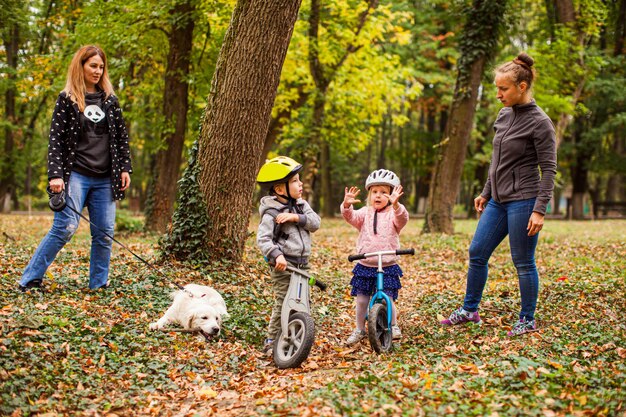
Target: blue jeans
column 95, row 194
column 495, row 223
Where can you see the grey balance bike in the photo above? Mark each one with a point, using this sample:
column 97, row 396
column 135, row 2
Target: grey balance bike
column 380, row 307
column 297, row 330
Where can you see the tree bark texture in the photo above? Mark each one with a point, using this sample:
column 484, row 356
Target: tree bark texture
column 175, row 105
column 446, row 179
column 620, row 29
column 478, row 45
column 237, row 116
column 565, row 11
column 7, row 166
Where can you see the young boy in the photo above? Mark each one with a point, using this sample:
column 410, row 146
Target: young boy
column 284, row 233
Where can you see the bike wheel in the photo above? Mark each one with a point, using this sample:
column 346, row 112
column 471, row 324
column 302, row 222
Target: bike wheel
column 291, row 351
column 378, row 329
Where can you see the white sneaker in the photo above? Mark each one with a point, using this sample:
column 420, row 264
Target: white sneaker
column 395, row 332
column 356, row 336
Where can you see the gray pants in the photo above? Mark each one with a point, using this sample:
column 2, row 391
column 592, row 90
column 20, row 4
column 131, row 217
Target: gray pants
column 280, row 284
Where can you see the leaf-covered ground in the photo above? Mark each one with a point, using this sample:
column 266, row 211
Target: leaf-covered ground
column 71, row 351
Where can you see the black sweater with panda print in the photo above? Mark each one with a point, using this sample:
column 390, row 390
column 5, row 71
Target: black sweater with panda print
column 66, row 132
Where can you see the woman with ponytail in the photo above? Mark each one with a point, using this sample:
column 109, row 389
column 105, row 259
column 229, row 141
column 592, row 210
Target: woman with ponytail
column 514, row 199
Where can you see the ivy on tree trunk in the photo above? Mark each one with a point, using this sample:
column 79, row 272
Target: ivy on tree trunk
column 478, row 44
column 211, row 222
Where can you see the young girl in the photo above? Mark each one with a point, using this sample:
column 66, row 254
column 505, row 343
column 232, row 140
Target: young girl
column 379, row 226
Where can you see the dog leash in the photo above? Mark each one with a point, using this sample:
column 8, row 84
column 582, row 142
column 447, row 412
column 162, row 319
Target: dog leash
column 152, row 267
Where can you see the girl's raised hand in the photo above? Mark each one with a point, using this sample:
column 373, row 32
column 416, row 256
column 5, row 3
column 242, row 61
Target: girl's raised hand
column 349, row 197
column 395, row 195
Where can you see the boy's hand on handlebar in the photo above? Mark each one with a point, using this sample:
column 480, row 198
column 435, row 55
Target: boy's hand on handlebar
column 350, row 196
column 281, row 263
column 287, row 217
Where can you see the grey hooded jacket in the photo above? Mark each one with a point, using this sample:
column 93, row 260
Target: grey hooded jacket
column 295, row 240
column 524, row 142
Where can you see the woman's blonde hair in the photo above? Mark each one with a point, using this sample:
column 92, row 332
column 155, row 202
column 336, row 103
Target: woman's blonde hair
column 75, row 86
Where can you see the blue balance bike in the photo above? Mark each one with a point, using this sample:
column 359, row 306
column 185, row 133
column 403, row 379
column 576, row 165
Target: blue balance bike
column 297, row 330
column 380, row 307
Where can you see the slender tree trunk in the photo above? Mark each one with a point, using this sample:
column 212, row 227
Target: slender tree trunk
column 566, row 15
column 323, row 75
column 482, row 26
column 565, row 12
column 580, row 170
column 175, row 105
column 444, row 187
column 7, row 166
column 237, row 117
column 327, row 195
column 384, row 138
column 620, row 29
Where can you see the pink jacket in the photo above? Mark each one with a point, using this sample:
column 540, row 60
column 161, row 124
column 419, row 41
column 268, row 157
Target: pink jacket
column 388, row 225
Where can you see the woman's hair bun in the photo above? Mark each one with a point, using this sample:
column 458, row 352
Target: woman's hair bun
column 526, row 59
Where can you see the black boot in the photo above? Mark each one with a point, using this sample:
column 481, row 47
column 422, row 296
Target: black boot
column 36, row 283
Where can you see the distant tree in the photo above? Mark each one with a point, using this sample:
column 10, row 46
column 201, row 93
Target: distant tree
column 211, row 221
column 162, row 193
column 478, row 44
column 12, row 37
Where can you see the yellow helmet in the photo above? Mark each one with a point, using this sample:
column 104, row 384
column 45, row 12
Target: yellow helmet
column 278, row 170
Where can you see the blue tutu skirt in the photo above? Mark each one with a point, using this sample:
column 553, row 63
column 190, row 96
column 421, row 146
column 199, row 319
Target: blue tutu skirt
column 364, row 280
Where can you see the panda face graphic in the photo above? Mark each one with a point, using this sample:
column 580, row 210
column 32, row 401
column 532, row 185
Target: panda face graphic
column 93, row 113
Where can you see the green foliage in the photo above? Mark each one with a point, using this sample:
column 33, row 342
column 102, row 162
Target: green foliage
column 186, row 238
column 479, row 38
column 125, row 221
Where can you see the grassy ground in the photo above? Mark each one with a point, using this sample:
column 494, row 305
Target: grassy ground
column 72, row 351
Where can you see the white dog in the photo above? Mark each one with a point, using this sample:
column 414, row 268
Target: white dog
column 197, row 307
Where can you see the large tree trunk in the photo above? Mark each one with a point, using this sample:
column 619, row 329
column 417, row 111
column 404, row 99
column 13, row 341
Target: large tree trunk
column 236, row 120
column 175, row 105
column 7, row 165
column 478, row 44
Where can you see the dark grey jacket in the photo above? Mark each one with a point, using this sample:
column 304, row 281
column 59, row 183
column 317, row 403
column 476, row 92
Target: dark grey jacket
column 65, row 133
column 524, row 142
column 295, row 241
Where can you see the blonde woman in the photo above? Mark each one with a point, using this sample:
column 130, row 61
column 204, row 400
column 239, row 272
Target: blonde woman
column 88, row 159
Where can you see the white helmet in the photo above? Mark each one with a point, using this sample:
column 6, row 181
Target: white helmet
column 382, row 177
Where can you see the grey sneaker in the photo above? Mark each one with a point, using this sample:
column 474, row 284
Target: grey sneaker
column 522, row 327
column 396, row 333
column 461, row 317
column 356, row 336
column 268, row 347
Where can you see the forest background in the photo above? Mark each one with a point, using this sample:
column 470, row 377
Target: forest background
column 364, row 85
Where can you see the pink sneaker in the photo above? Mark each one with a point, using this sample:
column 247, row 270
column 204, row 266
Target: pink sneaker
column 522, row 327
column 461, row 317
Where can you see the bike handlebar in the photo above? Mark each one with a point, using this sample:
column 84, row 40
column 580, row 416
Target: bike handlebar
column 319, row 284
column 353, row 258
